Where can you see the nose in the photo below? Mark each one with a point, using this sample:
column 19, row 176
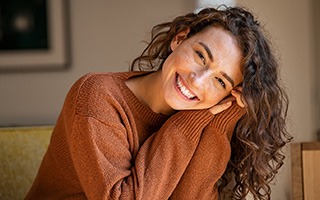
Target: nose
column 201, row 79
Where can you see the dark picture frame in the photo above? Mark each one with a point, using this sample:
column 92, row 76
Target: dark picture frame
column 33, row 35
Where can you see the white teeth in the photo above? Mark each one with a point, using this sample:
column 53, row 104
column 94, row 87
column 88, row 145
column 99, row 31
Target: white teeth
column 184, row 90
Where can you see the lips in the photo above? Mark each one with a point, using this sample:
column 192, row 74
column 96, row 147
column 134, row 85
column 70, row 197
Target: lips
column 184, row 90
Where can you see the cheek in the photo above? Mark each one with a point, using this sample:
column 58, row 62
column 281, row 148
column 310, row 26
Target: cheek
column 180, row 59
column 214, row 96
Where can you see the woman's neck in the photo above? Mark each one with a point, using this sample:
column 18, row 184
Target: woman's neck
column 148, row 89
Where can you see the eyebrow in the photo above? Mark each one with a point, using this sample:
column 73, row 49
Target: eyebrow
column 228, row 78
column 207, row 50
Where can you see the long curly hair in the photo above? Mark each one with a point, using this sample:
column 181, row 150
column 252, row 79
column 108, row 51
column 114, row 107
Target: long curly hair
column 261, row 133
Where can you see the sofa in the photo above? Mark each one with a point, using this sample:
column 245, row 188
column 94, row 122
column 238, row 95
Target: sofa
column 21, row 152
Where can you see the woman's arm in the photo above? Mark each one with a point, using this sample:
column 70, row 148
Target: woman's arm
column 107, row 169
column 96, row 150
column 106, row 154
column 210, row 158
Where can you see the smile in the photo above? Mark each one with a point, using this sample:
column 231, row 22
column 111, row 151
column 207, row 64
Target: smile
column 183, row 89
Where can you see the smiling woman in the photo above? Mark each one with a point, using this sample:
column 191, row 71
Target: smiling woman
column 206, row 107
column 207, row 65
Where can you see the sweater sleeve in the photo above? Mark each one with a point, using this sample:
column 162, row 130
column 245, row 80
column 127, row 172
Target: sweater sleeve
column 107, row 169
column 210, row 158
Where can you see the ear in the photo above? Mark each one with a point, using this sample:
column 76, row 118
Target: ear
column 179, row 38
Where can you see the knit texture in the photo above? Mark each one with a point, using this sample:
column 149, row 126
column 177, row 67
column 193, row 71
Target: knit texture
column 108, row 145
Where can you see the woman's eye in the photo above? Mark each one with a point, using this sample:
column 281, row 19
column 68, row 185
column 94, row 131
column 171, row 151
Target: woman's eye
column 221, row 82
column 200, row 55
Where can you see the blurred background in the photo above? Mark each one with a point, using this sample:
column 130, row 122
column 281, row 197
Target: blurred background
column 106, row 35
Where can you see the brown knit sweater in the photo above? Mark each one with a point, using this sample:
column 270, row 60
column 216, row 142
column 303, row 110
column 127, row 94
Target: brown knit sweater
column 108, row 145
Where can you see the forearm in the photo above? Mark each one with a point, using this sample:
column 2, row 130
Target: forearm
column 155, row 170
column 210, row 158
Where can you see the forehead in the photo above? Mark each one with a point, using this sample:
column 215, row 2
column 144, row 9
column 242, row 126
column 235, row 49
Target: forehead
column 218, row 36
column 220, row 41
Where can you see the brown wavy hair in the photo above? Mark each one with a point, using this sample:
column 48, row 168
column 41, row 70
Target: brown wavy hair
column 261, row 133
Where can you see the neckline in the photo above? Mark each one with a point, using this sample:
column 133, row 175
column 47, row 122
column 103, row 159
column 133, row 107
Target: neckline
column 135, row 104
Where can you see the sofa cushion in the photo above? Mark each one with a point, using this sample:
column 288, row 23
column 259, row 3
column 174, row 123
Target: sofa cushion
column 21, row 152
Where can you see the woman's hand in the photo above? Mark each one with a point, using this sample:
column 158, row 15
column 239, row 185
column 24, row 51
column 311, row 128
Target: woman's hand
column 222, row 105
column 236, row 95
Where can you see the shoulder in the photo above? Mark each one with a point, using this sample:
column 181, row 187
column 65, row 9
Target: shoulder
column 100, row 93
column 93, row 81
column 101, row 82
column 90, row 85
column 97, row 89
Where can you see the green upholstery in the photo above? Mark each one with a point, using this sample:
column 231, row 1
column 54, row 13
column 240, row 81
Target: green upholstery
column 21, row 152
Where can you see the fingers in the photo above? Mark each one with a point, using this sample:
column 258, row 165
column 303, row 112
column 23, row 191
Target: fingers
column 237, row 93
column 229, row 98
column 220, row 107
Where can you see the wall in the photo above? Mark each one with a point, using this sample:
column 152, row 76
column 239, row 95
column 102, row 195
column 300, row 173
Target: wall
column 106, row 36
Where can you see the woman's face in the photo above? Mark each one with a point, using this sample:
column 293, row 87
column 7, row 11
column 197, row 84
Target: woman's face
column 201, row 70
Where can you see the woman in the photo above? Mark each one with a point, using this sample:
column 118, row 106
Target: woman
column 206, row 109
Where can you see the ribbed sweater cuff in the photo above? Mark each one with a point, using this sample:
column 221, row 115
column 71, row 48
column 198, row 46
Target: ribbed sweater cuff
column 191, row 123
column 227, row 119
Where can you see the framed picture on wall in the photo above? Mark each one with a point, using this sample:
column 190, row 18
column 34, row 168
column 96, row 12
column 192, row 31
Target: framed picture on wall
column 33, row 35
